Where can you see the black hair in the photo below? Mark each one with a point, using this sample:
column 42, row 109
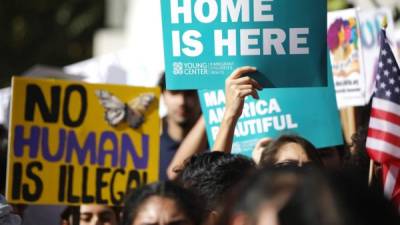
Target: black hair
column 358, row 159
column 309, row 197
column 186, row 200
column 212, row 174
column 71, row 214
column 268, row 156
column 266, row 184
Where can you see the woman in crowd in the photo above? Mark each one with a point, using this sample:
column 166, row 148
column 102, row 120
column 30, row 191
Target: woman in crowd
column 288, row 149
column 162, row 203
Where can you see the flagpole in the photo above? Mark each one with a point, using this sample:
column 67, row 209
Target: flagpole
column 371, row 171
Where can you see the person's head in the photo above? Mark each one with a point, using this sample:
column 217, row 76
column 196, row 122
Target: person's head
column 97, row 215
column 290, row 150
column 267, row 197
column 90, row 214
column 183, row 106
column 163, row 203
column 212, row 174
column 299, row 196
column 332, row 157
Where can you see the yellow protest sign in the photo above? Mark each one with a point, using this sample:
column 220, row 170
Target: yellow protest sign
column 73, row 143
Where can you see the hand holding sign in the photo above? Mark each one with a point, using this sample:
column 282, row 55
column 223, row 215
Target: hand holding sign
column 237, row 88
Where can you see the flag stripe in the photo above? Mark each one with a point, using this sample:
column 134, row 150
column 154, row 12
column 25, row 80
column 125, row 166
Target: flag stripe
column 383, row 146
column 385, row 170
column 390, row 172
column 381, row 114
column 386, row 105
column 389, row 137
column 382, row 157
column 390, row 181
column 383, row 141
column 396, row 192
column 384, row 125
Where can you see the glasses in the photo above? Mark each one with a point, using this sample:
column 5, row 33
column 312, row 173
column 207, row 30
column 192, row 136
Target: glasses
column 293, row 164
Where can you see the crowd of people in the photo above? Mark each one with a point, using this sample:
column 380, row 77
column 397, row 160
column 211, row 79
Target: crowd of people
column 287, row 181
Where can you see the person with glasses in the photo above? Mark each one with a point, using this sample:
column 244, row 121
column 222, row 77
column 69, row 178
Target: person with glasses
column 290, row 150
column 286, row 150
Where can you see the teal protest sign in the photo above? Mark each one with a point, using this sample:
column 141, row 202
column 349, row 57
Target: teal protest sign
column 204, row 40
column 309, row 112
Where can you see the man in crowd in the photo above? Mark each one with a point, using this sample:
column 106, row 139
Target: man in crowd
column 183, row 110
column 212, row 175
column 90, row 214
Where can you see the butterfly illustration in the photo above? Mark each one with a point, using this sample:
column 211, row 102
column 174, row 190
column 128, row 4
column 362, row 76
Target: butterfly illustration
column 117, row 112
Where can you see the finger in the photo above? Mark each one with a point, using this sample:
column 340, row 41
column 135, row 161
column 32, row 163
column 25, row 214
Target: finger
column 244, row 86
column 246, row 92
column 258, row 85
column 255, row 95
column 247, row 88
column 248, row 80
column 242, row 80
column 242, row 70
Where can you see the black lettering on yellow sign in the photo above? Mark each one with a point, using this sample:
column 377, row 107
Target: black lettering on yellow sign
column 133, row 179
column 19, row 188
column 50, row 112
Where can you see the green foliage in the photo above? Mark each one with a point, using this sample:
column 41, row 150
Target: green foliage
column 52, row 32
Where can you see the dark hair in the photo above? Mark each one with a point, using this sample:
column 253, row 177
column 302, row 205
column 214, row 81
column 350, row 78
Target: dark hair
column 212, row 174
column 185, row 199
column 71, row 214
column 308, row 197
column 268, row 156
column 268, row 185
column 358, row 159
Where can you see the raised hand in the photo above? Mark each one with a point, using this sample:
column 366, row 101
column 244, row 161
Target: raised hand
column 237, row 88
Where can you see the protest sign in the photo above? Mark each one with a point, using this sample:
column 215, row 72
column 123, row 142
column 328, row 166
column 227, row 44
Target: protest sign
column 345, row 51
column 370, row 26
column 309, row 112
column 205, row 40
column 76, row 143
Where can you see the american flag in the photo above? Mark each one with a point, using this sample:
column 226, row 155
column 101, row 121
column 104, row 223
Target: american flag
column 383, row 141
